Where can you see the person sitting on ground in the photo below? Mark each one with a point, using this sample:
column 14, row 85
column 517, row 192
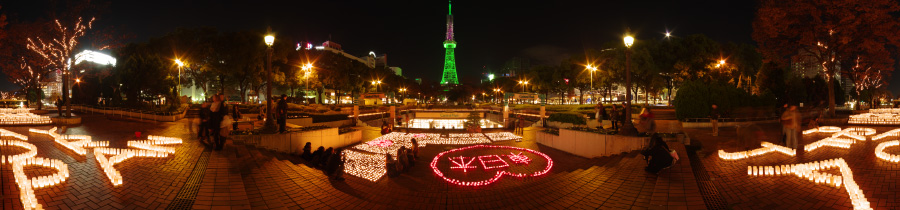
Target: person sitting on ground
column 415, row 148
column 317, row 155
column 331, row 164
column 325, row 156
column 402, row 158
column 306, row 151
column 658, row 156
column 410, row 157
column 339, row 168
column 390, row 165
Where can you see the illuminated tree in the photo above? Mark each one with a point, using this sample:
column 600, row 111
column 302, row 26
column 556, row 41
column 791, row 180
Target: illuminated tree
column 824, row 33
column 24, row 67
column 58, row 49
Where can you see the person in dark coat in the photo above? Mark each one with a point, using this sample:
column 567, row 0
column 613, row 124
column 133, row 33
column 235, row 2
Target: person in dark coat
column 658, row 156
column 217, row 115
column 236, row 115
column 338, row 173
column 410, row 157
column 327, row 154
column 307, row 149
column 331, row 164
column 281, row 113
column 317, row 155
column 203, row 131
column 614, row 117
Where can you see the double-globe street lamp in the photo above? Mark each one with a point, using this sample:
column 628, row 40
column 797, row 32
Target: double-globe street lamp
column 270, row 115
column 627, row 125
column 180, row 67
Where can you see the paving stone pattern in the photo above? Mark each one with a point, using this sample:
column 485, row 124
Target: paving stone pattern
column 877, row 178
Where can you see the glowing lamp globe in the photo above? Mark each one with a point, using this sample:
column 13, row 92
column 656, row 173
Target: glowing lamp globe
column 269, row 40
column 629, row 41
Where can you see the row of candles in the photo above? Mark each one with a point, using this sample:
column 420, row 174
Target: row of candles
column 875, row 119
column 120, row 155
column 885, row 111
column 893, row 132
column 500, row 174
column 367, row 166
column 810, row 172
column 19, row 161
column 831, row 142
column 823, row 129
column 4, row 132
column 879, row 151
column 766, row 148
column 23, row 119
column 27, row 186
column 15, row 110
column 502, row 136
column 32, row 151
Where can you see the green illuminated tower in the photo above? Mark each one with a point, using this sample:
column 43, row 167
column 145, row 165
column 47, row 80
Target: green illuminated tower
column 449, row 77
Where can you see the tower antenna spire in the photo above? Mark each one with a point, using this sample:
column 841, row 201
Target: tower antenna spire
column 449, row 77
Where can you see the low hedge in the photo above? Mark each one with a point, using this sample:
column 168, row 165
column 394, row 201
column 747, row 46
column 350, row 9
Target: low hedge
column 573, row 118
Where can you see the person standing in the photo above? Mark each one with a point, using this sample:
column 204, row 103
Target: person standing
column 281, row 113
column 714, row 119
column 218, row 111
column 791, row 123
column 203, row 131
column 614, row 117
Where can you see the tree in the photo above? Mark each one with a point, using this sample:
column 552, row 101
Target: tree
column 58, row 49
column 24, row 67
column 824, row 33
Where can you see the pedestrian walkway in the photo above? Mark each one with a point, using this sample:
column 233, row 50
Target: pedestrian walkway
column 245, row 177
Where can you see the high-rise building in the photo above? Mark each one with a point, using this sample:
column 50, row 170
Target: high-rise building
column 449, row 77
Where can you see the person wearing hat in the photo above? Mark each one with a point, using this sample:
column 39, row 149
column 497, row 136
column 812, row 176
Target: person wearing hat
column 281, row 113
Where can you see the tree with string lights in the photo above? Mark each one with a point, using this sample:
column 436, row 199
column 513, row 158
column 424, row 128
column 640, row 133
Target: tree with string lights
column 825, row 34
column 58, row 50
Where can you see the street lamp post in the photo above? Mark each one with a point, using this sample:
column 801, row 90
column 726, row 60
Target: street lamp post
column 270, row 115
column 627, row 125
column 376, row 83
column 180, row 66
column 306, row 73
column 524, row 83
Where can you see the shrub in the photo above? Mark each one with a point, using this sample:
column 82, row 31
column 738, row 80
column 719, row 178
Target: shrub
column 695, row 98
column 568, row 117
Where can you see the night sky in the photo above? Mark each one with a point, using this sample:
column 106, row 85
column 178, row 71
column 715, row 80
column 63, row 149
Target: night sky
column 411, row 32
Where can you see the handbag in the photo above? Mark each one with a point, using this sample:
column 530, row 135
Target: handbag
column 225, row 126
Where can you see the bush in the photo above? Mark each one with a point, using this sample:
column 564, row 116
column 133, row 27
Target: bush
column 573, row 118
column 695, row 98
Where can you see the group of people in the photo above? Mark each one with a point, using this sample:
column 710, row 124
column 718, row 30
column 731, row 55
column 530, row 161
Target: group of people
column 330, row 160
column 617, row 117
column 406, row 158
column 214, row 122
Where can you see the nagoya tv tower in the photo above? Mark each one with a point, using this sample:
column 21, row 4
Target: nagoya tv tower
column 449, row 77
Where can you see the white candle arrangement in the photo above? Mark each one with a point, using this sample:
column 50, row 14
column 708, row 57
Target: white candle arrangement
column 4, row 132
column 148, row 148
column 26, row 118
column 831, row 142
column 893, row 132
column 875, row 119
column 502, row 136
column 810, row 171
column 766, row 148
column 879, row 151
column 366, row 166
column 28, row 185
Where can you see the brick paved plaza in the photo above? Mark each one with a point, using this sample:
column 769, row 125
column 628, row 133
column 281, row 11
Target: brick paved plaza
column 243, row 177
